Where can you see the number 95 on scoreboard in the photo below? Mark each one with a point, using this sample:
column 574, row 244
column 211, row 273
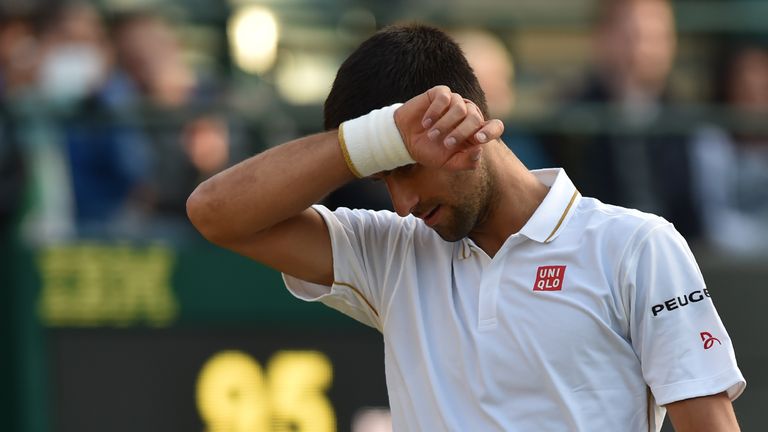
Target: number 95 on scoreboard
column 223, row 380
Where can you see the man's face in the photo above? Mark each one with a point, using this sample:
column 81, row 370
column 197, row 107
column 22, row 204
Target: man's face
column 453, row 203
column 640, row 42
column 748, row 81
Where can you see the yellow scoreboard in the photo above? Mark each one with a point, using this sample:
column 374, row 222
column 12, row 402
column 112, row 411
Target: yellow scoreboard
column 227, row 380
column 184, row 337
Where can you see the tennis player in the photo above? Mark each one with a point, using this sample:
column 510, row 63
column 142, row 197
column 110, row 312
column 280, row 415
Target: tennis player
column 507, row 301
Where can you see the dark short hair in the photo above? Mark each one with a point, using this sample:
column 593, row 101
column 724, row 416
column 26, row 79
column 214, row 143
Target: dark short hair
column 396, row 64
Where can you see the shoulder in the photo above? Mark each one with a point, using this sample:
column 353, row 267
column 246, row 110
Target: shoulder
column 620, row 222
column 629, row 241
column 617, row 232
column 363, row 218
column 372, row 224
column 633, row 238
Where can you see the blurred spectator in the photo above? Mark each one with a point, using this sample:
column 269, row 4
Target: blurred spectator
column 75, row 54
column 29, row 137
column 150, row 59
column 17, row 46
column 18, row 56
column 116, row 132
column 628, row 162
column 730, row 168
column 495, row 70
column 188, row 144
column 106, row 153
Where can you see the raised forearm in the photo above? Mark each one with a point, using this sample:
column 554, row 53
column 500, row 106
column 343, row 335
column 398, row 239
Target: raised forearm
column 236, row 205
column 268, row 188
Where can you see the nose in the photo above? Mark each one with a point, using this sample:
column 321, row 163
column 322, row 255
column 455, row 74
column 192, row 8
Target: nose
column 404, row 198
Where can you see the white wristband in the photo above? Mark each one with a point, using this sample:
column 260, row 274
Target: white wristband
column 372, row 143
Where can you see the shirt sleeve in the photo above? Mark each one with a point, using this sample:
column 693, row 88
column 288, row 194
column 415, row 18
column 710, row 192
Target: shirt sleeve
column 365, row 245
column 683, row 347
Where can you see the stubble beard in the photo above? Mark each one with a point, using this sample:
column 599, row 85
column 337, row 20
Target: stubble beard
column 471, row 209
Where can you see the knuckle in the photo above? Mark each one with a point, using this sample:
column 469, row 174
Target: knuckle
column 469, row 125
column 459, row 105
column 479, row 113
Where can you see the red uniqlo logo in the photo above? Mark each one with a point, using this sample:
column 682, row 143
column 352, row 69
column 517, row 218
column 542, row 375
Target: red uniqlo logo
column 549, row 278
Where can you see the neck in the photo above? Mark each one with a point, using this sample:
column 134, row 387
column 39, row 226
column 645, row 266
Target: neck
column 514, row 197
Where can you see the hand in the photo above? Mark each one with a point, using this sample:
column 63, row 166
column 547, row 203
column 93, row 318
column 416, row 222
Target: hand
column 443, row 130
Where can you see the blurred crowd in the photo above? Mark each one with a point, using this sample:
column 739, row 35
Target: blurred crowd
column 105, row 126
column 708, row 178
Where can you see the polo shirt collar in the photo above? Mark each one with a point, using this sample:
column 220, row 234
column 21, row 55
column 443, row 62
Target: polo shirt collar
column 550, row 216
column 553, row 213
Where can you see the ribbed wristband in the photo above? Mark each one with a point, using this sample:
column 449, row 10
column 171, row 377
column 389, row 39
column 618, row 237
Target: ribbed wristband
column 372, row 143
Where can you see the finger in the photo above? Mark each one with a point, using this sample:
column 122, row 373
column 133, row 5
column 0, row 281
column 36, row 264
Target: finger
column 466, row 129
column 493, row 129
column 440, row 100
column 448, row 121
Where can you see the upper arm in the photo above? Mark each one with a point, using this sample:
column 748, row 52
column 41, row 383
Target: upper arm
column 299, row 246
column 682, row 344
column 703, row 414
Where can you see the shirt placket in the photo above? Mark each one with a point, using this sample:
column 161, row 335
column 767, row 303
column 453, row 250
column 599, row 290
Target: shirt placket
column 490, row 284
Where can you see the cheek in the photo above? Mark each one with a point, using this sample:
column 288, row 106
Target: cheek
column 462, row 195
column 431, row 185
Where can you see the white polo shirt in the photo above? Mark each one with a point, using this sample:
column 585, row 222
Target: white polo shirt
column 587, row 319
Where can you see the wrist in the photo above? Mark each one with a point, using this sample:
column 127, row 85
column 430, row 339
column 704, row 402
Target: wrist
column 372, row 143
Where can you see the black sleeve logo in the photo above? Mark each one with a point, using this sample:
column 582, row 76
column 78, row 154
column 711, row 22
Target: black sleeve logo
column 680, row 301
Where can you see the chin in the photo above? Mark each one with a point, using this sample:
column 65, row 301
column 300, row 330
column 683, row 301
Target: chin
column 456, row 226
column 450, row 235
